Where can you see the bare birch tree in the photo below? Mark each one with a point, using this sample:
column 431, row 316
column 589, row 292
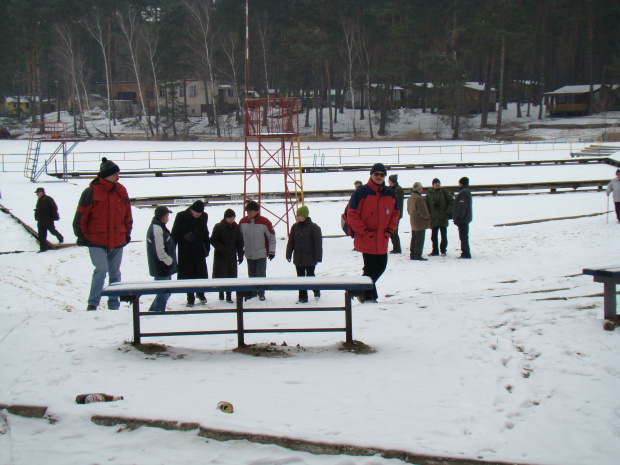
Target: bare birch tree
column 350, row 55
column 129, row 26
column 150, row 39
column 202, row 38
column 229, row 47
column 96, row 29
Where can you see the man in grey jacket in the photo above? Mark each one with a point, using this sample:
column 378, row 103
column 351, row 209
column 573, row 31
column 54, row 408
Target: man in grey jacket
column 259, row 242
column 614, row 186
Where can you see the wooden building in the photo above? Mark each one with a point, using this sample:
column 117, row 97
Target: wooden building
column 575, row 100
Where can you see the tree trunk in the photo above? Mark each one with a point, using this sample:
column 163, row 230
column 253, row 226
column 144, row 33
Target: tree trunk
column 498, row 127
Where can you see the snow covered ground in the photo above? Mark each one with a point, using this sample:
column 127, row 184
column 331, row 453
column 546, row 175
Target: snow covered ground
column 501, row 358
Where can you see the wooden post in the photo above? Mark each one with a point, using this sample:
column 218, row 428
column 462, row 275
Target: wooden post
column 348, row 317
column 135, row 301
column 240, row 334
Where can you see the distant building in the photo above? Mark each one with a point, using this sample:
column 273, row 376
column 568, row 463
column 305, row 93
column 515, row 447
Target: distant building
column 575, row 100
column 426, row 95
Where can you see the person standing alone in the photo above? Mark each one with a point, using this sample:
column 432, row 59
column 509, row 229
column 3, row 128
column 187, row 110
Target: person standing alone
column 400, row 199
column 45, row 213
column 191, row 234
column 462, row 215
column 373, row 215
column 103, row 223
column 161, row 254
column 439, row 203
column 614, row 186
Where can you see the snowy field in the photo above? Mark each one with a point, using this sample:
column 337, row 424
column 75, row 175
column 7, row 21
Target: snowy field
column 500, row 358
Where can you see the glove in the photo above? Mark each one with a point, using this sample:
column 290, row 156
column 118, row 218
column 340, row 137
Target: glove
column 240, row 260
column 127, row 239
column 81, row 241
column 271, row 256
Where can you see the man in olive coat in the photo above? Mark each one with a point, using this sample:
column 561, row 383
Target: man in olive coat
column 45, row 213
column 439, row 203
column 191, row 234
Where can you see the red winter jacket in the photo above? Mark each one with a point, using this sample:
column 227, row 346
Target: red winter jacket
column 373, row 214
column 103, row 216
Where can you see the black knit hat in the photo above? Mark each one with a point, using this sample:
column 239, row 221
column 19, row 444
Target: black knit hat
column 393, row 178
column 464, row 181
column 435, row 180
column 378, row 167
column 198, row 206
column 252, row 206
column 229, row 213
column 107, row 168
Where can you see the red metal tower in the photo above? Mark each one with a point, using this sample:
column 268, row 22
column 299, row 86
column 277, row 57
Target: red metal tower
column 273, row 123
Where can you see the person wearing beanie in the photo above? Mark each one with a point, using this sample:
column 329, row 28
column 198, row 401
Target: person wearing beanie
column 439, row 204
column 462, row 215
column 227, row 245
column 191, row 234
column 305, row 248
column 400, row 198
column 45, row 213
column 160, row 254
column 420, row 221
column 614, row 186
column 373, row 215
column 259, row 243
column 103, row 223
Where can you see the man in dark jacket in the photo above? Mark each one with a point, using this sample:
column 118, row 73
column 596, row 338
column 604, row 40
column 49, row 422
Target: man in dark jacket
column 439, row 204
column 373, row 215
column 45, row 213
column 103, row 223
column 462, row 215
column 191, row 234
column 227, row 244
column 161, row 254
column 305, row 247
column 400, row 199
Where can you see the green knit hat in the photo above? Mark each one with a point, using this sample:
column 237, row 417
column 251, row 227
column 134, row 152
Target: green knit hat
column 303, row 211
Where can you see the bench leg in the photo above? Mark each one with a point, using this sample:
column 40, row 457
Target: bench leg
column 135, row 302
column 348, row 318
column 609, row 293
column 240, row 334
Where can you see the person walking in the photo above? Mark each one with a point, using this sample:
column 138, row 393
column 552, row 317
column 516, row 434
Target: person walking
column 259, row 243
column 227, row 245
column 420, row 221
column 45, row 213
column 439, row 204
column 373, row 215
column 191, row 234
column 614, row 186
column 305, row 247
column 103, row 223
column 400, row 198
column 462, row 215
column 161, row 254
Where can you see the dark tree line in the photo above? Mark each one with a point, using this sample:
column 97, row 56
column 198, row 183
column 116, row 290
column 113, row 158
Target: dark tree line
column 306, row 48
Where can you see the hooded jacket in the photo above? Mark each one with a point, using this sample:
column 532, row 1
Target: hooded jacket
column 373, row 215
column 160, row 250
column 439, row 203
column 103, row 216
column 259, row 237
column 305, row 244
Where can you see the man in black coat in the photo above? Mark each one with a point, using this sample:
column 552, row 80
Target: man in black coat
column 191, row 234
column 227, row 243
column 45, row 213
column 462, row 215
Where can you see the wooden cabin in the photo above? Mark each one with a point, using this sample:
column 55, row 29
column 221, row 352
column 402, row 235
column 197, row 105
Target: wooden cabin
column 575, row 100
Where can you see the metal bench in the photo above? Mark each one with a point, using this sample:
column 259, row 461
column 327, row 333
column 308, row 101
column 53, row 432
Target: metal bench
column 609, row 276
column 131, row 292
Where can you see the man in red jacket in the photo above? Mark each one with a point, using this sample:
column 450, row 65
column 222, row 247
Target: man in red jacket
column 103, row 223
column 373, row 215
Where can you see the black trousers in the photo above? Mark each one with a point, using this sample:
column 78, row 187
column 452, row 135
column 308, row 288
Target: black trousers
column 439, row 246
column 396, row 240
column 417, row 243
column 374, row 266
column 617, row 204
column 464, row 237
column 42, row 228
column 306, row 271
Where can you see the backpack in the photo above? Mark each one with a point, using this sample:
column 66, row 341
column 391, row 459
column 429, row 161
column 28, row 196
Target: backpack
column 344, row 223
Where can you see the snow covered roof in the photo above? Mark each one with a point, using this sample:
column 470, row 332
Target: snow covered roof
column 581, row 89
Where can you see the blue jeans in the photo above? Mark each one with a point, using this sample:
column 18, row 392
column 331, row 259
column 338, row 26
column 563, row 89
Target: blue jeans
column 159, row 304
column 105, row 262
column 257, row 269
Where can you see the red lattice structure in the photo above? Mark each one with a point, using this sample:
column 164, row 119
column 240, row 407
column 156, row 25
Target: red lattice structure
column 273, row 124
column 48, row 132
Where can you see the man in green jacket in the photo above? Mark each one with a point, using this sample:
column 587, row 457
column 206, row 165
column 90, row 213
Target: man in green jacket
column 439, row 203
column 400, row 199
